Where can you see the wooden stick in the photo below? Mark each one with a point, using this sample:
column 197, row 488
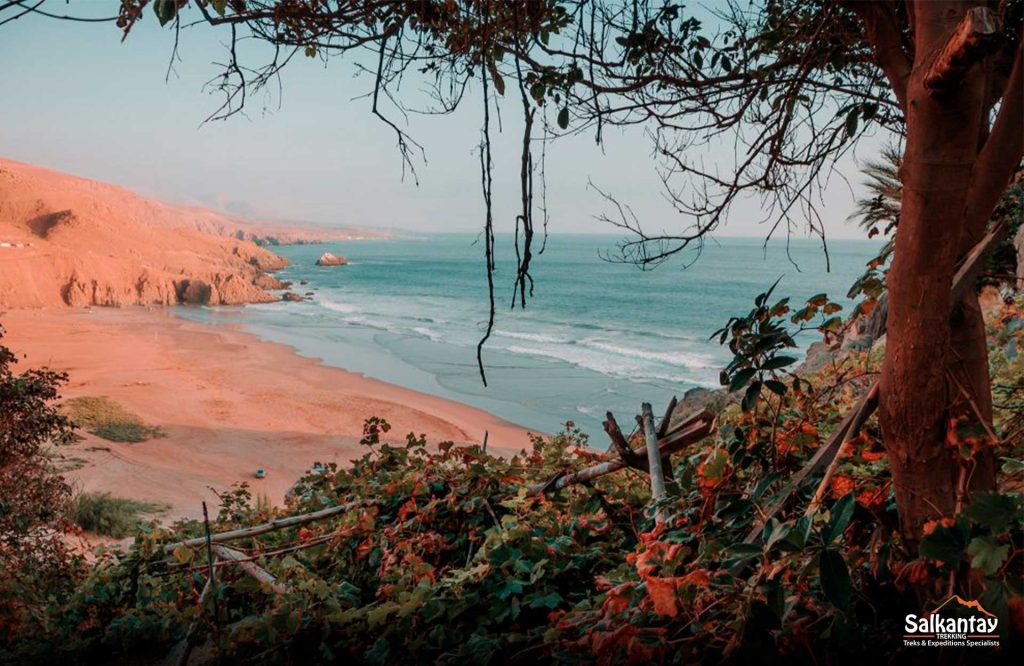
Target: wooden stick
column 279, row 524
column 864, row 410
column 621, row 445
column 691, row 430
column 654, row 460
column 250, row 567
column 666, row 420
column 212, row 580
column 974, row 260
column 822, row 457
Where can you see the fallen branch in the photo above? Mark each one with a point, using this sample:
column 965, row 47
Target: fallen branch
column 250, row 567
column 822, row 458
column 621, row 445
column 654, row 461
column 862, row 414
column 693, row 429
column 279, row 524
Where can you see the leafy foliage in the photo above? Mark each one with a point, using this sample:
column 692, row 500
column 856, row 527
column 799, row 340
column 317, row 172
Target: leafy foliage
column 441, row 556
column 757, row 339
column 35, row 563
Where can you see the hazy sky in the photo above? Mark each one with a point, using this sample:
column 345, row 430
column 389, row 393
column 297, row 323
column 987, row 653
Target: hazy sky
column 77, row 99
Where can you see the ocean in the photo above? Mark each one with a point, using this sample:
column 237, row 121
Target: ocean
column 596, row 336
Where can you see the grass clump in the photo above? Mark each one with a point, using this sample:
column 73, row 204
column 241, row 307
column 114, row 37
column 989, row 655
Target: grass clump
column 102, row 513
column 106, row 419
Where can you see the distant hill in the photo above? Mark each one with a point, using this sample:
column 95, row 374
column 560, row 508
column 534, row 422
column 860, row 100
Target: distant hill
column 70, row 241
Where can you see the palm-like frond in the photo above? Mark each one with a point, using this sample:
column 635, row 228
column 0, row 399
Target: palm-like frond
column 879, row 212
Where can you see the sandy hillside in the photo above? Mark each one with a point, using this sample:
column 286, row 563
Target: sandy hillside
column 66, row 240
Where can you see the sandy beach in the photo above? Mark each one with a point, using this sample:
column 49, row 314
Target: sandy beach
column 228, row 402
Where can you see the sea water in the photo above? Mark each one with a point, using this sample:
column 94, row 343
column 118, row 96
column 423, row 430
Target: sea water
column 596, row 335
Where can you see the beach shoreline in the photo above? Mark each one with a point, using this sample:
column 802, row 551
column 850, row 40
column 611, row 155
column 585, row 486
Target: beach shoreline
column 228, row 401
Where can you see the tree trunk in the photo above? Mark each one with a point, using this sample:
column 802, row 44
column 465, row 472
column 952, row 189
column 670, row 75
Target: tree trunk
column 928, row 335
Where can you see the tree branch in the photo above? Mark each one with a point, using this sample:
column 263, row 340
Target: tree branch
column 1001, row 155
column 974, row 38
column 882, row 29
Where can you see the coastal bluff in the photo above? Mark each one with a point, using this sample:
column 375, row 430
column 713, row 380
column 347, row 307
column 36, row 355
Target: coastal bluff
column 70, row 241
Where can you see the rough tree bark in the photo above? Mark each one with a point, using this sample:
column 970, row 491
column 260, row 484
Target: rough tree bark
column 947, row 175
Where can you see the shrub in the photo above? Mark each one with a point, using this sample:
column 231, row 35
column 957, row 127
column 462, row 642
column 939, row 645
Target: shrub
column 34, row 559
column 105, row 514
column 108, row 420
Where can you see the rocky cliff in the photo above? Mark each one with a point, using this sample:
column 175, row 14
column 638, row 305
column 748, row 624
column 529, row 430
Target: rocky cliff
column 74, row 242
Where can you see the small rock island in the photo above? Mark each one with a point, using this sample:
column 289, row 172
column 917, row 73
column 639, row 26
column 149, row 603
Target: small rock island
column 328, row 259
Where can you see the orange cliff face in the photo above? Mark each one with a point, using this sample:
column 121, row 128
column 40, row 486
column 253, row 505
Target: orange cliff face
column 68, row 241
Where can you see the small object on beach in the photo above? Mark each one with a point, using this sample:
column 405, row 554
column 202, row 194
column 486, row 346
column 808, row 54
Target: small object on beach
column 319, row 469
column 310, row 293
column 303, row 282
column 328, row 259
column 260, row 473
column 291, row 296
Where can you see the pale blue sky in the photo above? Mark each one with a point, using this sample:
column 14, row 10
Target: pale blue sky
column 77, row 99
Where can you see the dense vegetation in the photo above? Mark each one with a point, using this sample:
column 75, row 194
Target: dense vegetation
column 441, row 556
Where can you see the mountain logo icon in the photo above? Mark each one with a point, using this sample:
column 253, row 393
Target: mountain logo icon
column 973, row 605
column 954, row 619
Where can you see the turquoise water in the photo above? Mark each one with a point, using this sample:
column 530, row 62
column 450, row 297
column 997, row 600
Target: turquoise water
column 596, row 336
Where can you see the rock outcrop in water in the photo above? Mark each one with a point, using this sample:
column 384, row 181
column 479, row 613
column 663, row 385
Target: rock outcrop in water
column 328, row 259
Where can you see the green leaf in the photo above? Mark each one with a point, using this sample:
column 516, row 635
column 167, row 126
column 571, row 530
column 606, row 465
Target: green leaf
column 945, row 544
column 740, row 379
column 550, row 600
column 740, row 553
column 165, row 10
column 499, row 83
column 750, row 397
column 775, row 386
column 1012, row 466
column 852, row 120
column 842, row 512
column 835, row 578
column 777, row 362
column 563, row 117
column 219, row 6
column 832, row 325
column 797, row 537
column 996, row 511
column 987, row 554
column 481, row 648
